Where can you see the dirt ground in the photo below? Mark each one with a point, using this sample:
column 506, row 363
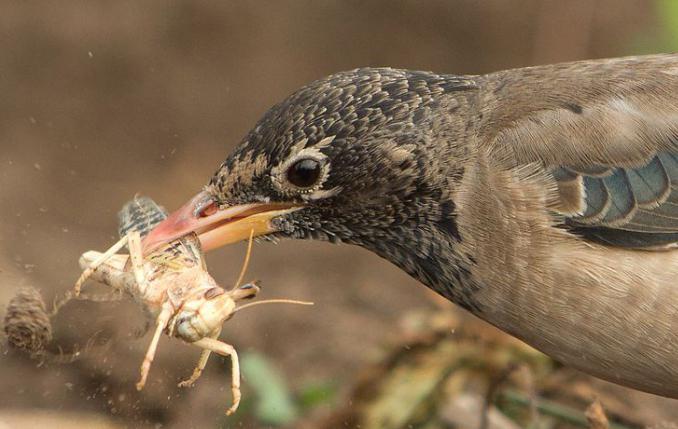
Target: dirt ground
column 102, row 100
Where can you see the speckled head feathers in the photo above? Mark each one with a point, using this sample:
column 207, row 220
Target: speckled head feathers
column 385, row 147
column 335, row 119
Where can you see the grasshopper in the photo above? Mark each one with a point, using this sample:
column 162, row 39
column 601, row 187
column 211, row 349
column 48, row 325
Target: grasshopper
column 173, row 285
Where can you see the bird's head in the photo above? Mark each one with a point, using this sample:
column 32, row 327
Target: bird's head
column 354, row 157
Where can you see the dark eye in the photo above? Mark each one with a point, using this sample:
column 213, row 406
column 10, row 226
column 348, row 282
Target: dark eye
column 213, row 293
column 304, row 173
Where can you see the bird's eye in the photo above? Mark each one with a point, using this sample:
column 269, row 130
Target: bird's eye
column 304, row 173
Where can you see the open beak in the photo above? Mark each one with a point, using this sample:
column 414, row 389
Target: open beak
column 216, row 227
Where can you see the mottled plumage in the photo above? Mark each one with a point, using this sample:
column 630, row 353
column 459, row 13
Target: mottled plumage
column 537, row 198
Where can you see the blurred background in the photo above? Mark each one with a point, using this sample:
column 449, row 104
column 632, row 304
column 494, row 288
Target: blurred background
column 101, row 100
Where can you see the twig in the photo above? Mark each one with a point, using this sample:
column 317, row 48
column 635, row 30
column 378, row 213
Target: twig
column 553, row 409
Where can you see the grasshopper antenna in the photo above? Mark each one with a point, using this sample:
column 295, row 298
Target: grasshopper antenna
column 247, row 259
column 273, row 301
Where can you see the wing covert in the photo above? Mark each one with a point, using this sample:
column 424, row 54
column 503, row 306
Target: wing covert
column 606, row 130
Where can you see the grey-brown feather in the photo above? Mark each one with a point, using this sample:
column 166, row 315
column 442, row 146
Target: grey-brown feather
column 614, row 123
column 573, row 172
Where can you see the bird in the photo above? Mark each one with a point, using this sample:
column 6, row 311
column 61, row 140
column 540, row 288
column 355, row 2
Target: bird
column 543, row 200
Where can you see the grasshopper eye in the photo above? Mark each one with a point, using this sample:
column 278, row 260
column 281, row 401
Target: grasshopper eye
column 213, row 293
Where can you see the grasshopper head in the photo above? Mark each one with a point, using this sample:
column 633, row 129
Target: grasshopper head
column 203, row 313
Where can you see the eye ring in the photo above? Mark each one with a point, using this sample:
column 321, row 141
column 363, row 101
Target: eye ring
column 304, row 173
column 283, row 175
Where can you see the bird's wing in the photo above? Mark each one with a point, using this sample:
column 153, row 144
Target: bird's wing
column 606, row 130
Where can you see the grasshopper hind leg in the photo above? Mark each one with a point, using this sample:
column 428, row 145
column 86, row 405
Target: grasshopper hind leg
column 95, row 264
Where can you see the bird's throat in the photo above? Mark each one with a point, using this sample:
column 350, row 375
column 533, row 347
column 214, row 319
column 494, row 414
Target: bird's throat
column 431, row 256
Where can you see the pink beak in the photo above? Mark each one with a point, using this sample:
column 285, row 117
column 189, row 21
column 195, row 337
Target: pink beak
column 216, row 227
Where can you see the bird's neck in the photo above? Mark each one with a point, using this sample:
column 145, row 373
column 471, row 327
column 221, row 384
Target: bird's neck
column 427, row 251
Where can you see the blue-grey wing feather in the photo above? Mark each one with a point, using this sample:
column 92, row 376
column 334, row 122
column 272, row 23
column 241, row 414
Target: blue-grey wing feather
column 629, row 206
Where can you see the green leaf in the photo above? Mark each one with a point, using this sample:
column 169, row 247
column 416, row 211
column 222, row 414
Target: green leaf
column 274, row 403
column 667, row 12
column 316, row 394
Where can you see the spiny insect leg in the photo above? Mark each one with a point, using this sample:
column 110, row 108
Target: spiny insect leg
column 137, row 259
column 93, row 266
column 204, row 356
column 69, row 295
column 161, row 323
column 226, row 350
column 202, row 362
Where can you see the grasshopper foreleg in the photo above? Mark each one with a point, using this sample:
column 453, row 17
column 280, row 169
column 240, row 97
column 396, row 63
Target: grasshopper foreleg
column 161, row 324
column 137, row 260
column 202, row 362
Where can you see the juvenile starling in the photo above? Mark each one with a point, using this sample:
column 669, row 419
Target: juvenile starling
column 543, row 200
